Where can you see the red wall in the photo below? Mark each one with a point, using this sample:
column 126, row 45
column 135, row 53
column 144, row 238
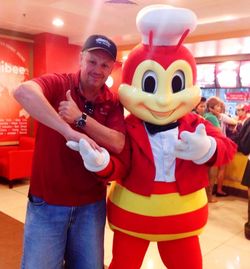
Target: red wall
column 53, row 53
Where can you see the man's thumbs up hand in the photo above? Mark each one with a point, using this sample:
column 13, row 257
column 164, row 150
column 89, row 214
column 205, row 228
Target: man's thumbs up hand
column 68, row 110
column 68, row 96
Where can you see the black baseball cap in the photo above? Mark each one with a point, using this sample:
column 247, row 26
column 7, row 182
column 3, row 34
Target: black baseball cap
column 95, row 42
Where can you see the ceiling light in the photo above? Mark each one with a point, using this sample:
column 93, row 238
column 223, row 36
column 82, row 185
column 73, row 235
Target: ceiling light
column 58, row 22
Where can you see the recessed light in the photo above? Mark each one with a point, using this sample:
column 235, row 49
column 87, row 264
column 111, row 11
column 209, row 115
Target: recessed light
column 58, row 22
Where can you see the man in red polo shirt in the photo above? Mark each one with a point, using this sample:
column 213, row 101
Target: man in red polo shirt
column 67, row 210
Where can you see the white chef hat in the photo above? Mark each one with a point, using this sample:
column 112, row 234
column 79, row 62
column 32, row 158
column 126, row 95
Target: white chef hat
column 167, row 24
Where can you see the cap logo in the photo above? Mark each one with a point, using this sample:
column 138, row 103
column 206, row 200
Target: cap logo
column 103, row 42
column 100, row 42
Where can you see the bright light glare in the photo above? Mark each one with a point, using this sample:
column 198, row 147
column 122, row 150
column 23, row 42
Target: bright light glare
column 229, row 65
column 110, row 82
column 58, row 22
column 124, row 58
column 244, row 74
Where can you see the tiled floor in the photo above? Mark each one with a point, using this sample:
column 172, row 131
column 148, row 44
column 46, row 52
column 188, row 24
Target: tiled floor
column 223, row 243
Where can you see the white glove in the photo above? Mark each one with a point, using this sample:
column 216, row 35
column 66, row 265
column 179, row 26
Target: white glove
column 196, row 147
column 93, row 160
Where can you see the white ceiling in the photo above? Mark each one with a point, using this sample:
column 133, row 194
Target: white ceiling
column 116, row 18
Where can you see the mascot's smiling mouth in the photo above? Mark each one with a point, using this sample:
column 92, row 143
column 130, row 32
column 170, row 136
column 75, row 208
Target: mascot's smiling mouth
column 159, row 114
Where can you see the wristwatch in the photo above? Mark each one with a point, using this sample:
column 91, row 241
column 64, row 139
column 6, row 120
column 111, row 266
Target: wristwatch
column 81, row 122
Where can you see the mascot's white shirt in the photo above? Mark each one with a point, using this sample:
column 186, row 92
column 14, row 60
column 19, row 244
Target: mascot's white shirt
column 162, row 145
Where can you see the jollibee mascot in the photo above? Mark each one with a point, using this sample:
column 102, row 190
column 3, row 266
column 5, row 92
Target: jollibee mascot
column 161, row 175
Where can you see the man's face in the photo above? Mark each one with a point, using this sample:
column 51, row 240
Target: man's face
column 96, row 66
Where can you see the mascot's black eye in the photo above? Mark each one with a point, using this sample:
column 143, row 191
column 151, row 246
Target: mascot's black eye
column 149, row 82
column 178, row 81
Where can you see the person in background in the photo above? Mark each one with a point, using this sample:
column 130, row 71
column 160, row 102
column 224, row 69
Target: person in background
column 243, row 141
column 66, row 211
column 224, row 121
column 213, row 110
column 215, row 114
column 233, row 130
column 201, row 107
column 241, row 113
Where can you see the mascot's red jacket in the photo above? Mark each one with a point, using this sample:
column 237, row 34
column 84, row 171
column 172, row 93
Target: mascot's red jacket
column 141, row 163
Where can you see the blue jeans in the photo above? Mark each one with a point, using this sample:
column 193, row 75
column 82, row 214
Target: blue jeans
column 57, row 237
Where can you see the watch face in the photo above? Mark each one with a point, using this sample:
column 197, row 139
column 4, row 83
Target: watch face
column 81, row 123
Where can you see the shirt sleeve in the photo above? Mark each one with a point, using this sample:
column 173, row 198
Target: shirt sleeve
column 52, row 86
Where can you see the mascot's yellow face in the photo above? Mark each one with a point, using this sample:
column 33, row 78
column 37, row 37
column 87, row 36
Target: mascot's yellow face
column 160, row 93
